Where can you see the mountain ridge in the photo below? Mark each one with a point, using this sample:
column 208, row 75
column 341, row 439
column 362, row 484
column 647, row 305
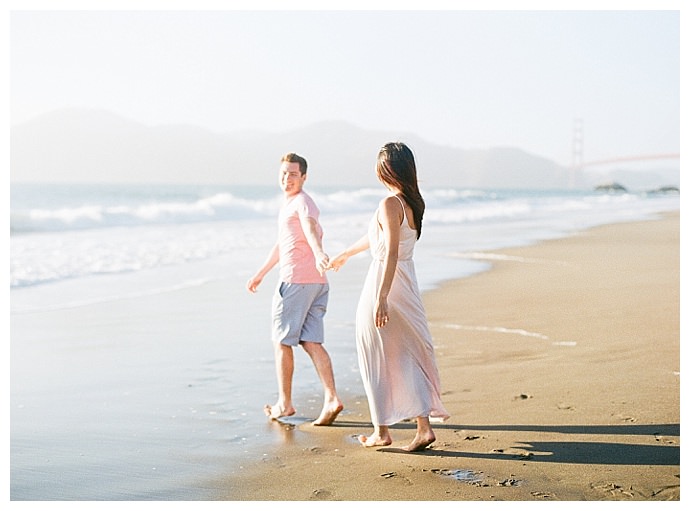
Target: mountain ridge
column 90, row 145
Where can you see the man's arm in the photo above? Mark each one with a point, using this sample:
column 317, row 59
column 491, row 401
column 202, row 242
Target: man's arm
column 310, row 228
column 271, row 261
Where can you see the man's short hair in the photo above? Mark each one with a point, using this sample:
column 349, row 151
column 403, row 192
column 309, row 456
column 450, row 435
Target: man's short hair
column 296, row 158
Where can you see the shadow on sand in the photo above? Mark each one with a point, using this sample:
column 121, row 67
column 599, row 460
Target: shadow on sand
column 596, row 452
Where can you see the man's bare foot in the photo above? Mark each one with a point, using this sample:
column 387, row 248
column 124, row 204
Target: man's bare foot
column 419, row 443
column 374, row 440
column 328, row 415
column 276, row 412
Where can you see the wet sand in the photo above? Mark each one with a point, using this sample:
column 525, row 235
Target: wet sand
column 561, row 370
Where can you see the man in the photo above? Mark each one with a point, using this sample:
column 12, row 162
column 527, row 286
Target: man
column 299, row 303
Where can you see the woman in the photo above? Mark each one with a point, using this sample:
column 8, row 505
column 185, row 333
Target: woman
column 394, row 346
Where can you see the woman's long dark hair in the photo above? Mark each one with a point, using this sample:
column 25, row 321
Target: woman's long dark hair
column 395, row 167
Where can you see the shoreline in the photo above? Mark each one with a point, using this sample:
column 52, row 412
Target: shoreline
column 560, row 367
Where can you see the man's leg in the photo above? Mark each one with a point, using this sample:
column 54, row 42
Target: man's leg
column 285, row 366
column 322, row 362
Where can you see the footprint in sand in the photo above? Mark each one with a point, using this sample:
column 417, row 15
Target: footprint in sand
column 667, row 493
column 320, row 494
column 613, row 489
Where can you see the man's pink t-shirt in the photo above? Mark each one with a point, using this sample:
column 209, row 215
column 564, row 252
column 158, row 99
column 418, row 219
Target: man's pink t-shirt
column 297, row 262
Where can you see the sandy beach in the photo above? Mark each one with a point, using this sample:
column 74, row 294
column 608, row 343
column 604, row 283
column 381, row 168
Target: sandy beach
column 561, row 370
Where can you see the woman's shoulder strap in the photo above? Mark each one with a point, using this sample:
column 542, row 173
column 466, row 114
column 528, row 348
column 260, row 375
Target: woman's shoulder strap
column 402, row 203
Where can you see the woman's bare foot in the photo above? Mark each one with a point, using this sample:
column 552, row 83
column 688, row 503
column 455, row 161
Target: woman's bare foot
column 419, row 443
column 276, row 411
column 375, row 440
column 328, row 414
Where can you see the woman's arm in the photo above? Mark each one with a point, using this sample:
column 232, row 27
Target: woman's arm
column 358, row 246
column 390, row 218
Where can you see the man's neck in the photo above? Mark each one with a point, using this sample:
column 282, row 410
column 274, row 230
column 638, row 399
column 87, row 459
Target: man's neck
column 291, row 195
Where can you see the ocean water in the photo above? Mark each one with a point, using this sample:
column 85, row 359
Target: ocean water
column 140, row 364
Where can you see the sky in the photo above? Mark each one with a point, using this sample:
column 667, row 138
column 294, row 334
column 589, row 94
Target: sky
column 461, row 77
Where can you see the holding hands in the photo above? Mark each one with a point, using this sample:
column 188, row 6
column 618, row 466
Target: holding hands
column 338, row 262
column 322, row 262
column 359, row 246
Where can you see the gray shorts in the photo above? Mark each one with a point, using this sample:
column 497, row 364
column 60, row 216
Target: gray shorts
column 298, row 311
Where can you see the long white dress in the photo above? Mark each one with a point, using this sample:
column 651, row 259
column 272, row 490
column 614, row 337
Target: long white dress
column 397, row 361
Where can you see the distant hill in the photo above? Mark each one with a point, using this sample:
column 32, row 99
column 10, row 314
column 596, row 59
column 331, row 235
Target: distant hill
column 81, row 145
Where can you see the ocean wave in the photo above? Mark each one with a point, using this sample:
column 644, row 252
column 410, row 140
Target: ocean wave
column 69, row 238
column 56, row 256
column 82, row 211
column 218, row 207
